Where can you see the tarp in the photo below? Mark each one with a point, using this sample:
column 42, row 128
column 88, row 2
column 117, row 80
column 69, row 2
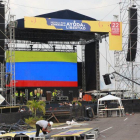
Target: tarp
column 62, row 14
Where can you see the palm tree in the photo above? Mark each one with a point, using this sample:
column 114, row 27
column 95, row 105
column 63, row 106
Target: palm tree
column 36, row 105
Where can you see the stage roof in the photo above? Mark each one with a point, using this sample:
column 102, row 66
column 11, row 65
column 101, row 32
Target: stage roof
column 43, row 35
column 63, row 14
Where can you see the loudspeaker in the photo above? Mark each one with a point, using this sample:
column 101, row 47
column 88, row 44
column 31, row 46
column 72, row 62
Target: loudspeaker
column 2, row 31
column 132, row 40
column 89, row 112
column 70, row 95
column 107, row 79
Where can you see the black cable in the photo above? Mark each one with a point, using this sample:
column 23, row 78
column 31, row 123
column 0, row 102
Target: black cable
column 109, row 13
column 125, row 77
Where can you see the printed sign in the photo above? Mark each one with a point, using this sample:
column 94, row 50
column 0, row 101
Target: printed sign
column 115, row 28
column 74, row 25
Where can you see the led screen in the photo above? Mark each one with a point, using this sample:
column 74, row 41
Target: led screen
column 45, row 69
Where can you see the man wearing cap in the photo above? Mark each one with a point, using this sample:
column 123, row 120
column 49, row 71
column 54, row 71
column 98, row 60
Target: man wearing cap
column 42, row 124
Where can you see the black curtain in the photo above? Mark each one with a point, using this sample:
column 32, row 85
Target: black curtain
column 79, row 68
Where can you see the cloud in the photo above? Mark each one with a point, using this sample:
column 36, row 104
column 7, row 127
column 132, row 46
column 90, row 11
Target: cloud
column 54, row 5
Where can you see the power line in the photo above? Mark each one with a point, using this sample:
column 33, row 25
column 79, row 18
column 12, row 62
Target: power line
column 98, row 7
column 109, row 12
column 106, row 60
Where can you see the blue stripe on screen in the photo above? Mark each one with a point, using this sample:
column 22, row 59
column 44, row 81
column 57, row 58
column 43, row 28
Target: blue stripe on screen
column 46, row 71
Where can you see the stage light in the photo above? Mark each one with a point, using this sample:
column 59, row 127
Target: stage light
column 74, row 47
column 53, row 48
column 113, row 76
column 133, row 5
column 31, row 47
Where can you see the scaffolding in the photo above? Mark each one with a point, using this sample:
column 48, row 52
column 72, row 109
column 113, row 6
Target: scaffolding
column 9, row 71
column 127, row 68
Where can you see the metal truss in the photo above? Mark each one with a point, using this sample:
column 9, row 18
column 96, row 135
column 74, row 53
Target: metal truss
column 97, row 67
column 10, row 55
column 126, row 68
column 51, row 42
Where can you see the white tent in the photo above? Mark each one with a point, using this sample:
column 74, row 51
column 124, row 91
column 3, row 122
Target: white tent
column 108, row 98
column 1, row 98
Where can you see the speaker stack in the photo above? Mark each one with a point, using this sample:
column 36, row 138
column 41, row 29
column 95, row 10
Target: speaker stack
column 2, row 33
column 48, row 96
column 133, row 29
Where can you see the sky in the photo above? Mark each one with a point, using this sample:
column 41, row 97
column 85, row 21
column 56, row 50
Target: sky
column 98, row 9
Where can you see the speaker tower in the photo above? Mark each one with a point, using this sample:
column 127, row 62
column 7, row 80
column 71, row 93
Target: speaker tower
column 132, row 40
column 2, row 31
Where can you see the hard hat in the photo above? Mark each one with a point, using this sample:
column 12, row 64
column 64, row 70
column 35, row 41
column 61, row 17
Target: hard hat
column 51, row 123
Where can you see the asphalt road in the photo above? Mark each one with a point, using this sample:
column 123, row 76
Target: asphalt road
column 113, row 128
column 118, row 128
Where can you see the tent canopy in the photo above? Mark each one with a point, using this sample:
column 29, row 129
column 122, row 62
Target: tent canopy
column 1, row 99
column 109, row 97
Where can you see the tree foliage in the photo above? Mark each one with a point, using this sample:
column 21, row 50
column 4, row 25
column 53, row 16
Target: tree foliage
column 36, row 105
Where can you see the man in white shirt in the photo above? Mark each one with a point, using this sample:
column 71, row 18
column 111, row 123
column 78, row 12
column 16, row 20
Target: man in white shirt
column 80, row 94
column 42, row 124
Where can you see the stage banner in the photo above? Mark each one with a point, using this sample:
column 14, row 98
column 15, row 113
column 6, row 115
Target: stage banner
column 113, row 28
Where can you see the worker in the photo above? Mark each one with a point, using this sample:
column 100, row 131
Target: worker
column 16, row 96
column 42, row 124
column 80, row 94
column 31, row 95
column 54, row 94
column 24, row 97
column 38, row 95
column 21, row 97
